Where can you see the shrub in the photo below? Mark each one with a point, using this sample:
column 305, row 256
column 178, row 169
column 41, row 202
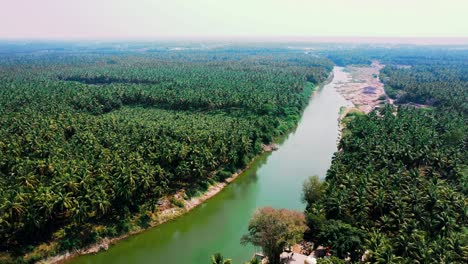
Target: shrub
column 177, row 202
column 144, row 221
column 342, row 238
column 123, row 226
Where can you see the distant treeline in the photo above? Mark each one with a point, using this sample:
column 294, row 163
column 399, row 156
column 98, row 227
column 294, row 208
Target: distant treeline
column 87, row 141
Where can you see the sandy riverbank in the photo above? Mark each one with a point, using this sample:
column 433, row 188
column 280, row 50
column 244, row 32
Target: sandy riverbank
column 361, row 85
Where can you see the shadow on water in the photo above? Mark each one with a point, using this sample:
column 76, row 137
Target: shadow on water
column 274, row 179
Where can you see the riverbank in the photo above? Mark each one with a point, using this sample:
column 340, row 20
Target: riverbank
column 362, row 88
column 156, row 219
column 219, row 223
column 170, row 207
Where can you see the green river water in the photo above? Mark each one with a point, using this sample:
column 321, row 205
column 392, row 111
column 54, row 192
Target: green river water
column 275, row 179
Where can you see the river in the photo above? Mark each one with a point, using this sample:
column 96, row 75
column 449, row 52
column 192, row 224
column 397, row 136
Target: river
column 275, row 179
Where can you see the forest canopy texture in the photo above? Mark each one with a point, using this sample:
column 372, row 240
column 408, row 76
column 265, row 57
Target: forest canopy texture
column 396, row 191
column 90, row 139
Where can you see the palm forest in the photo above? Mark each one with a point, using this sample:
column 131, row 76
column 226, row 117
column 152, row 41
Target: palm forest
column 396, row 191
column 92, row 138
column 88, row 141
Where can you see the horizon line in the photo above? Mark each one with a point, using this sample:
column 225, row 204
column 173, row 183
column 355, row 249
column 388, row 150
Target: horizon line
column 426, row 40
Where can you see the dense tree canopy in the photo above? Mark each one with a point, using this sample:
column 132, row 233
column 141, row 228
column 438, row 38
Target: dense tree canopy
column 90, row 139
column 398, row 185
column 439, row 82
column 273, row 230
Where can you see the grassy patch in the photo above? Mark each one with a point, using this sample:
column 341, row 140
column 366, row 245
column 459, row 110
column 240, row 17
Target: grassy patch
column 177, row 202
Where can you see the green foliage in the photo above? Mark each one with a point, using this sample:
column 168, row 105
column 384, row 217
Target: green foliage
column 76, row 237
column 349, row 57
column 90, row 139
column 403, row 176
column 438, row 82
column 312, row 190
column 123, row 226
column 273, row 230
column 342, row 109
column 343, row 238
column 330, row 260
column 316, row 222
column 397, row 188
column 219, row 259
column 177, row 202
column 379, row 249
column 223, row 174
column 144, row 221
column 382, row 97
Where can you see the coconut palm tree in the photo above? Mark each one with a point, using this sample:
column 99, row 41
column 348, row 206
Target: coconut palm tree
column 219, row 259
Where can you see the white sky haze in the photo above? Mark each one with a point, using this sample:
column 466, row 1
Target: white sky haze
column 153, row 19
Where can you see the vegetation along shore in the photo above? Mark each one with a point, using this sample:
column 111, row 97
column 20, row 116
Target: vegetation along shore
column 118, row 137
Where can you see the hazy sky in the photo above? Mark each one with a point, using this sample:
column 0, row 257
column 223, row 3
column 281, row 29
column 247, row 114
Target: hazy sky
column 122, row 19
